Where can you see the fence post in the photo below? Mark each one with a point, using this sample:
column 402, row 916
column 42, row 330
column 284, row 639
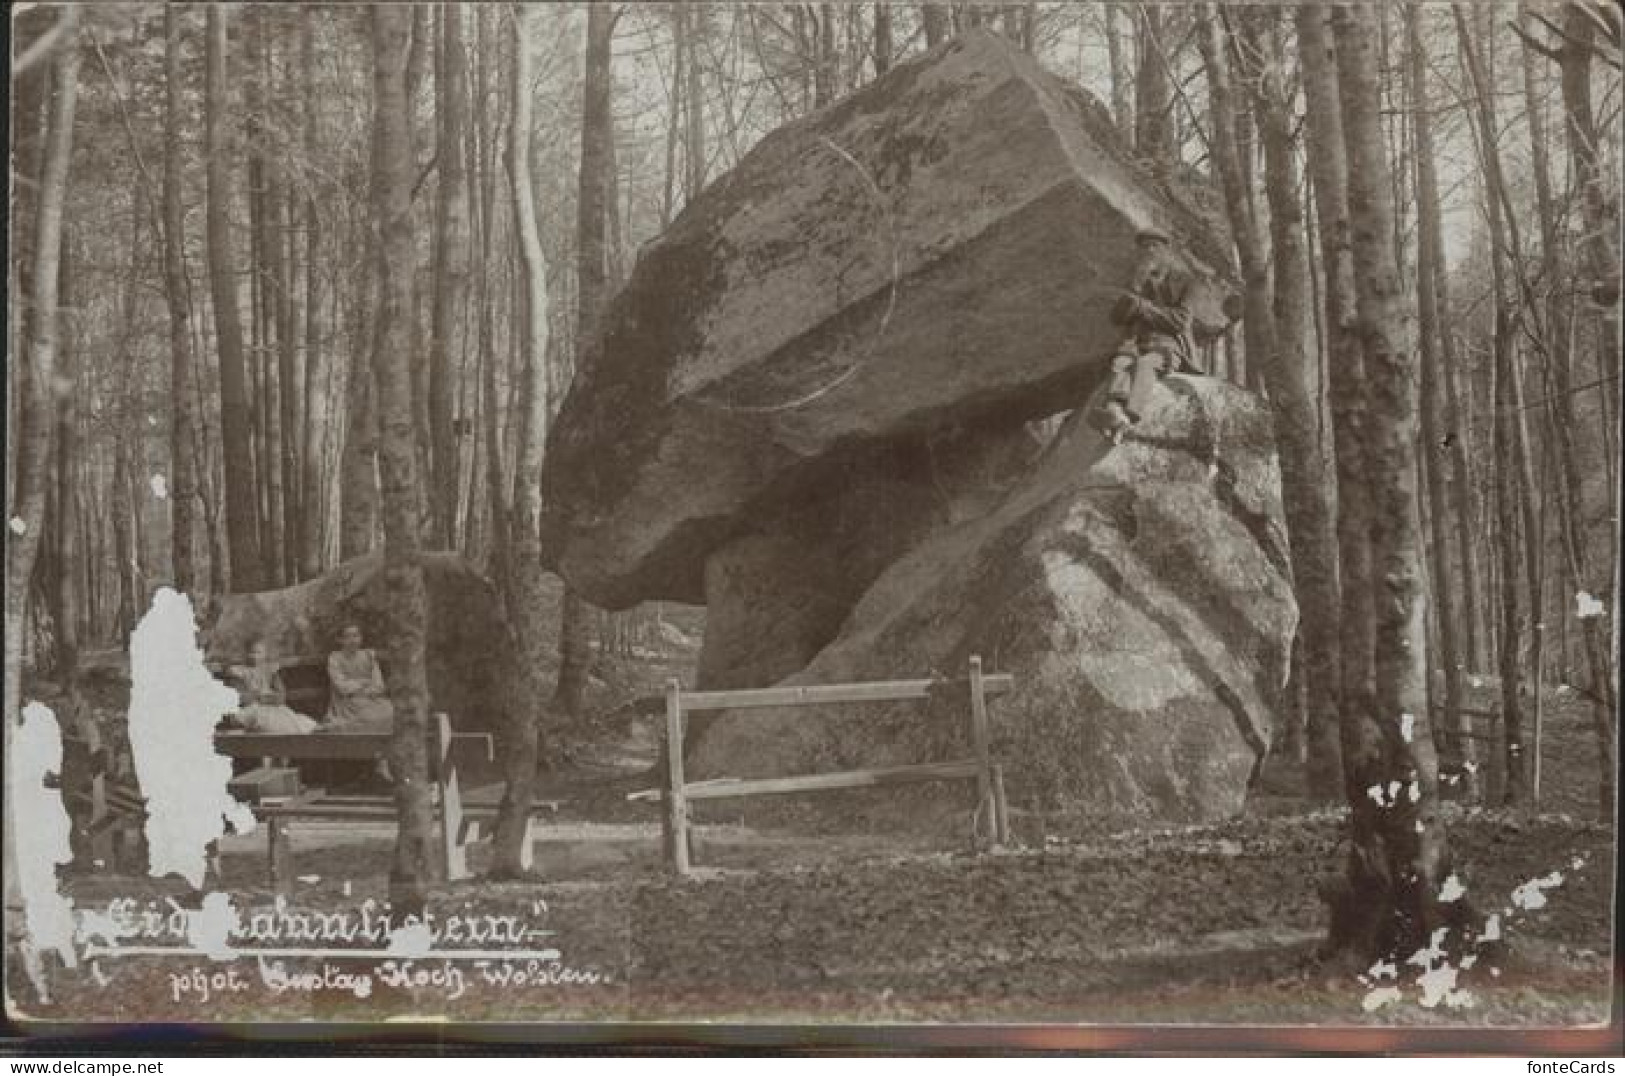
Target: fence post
column 278, row 856
column 454, row 858
column 987, row 829
column 1001, row 808
column 676, row 802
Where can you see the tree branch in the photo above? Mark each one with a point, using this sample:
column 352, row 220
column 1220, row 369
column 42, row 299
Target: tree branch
column 42, row 48
column 1529, row 42
column 1602, row 54
column 423, row 177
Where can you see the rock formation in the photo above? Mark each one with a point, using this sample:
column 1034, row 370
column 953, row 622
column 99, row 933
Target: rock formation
column 814, row 408
column 467, row 642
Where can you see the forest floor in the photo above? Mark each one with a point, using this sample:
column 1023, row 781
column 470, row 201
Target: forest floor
column 1214, row 924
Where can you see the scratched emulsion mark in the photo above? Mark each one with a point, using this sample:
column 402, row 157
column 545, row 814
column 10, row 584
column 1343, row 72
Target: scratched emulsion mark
column 174, row 706
column 41, row 845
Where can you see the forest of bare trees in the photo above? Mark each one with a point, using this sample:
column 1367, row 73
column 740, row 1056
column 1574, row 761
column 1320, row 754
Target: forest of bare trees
column 296, row 283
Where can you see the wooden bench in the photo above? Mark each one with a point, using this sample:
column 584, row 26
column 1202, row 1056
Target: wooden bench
column 275, row 752
column 990, row 821
column 110, row 814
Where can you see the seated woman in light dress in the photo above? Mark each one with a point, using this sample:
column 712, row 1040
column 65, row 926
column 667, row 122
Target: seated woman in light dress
column 263, row 705
column 358, row 702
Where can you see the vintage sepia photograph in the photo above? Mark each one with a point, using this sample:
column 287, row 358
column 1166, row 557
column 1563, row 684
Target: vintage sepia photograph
column 1081, row 520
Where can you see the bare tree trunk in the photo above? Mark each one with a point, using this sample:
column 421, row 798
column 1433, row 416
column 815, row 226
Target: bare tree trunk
column 594, row 195
column 694, row 152
column 406, row 609
column 934, row 18
column 1461, row 473
column 1308, row 508
column 359, row 485
column 1154, row 96
column 883, row 38
column 183, row 425
column 259, row 392
column 679, row 42
column 825, row 59
column 1554, row 309
column 280, row 263
column 1510, row 417
column 1346, row 389
column 122, row 499
column 1122, row 79
column 41, row 384
column 422, row 59
column 1455, row 742
column 1599, row 211
column 1400, row 855
column 318, row 356
column 358, row 468
column 1258, row 322
column 120, row 511
column 290, row 382
column 492, row 406
column 525, row 712
column 28, row 116
column 1556, row 383
column 266, row 258
column 452, row 254
column 1600, row 248
column 242, row 532
column 1514, row 789
column 68, row 552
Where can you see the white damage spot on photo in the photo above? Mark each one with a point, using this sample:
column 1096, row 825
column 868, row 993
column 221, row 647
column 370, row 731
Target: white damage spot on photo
column 1587, row 607
column 160, row 487
column 1438, row 984
column 209, row 928
column 1379, row 996
column 1438, row 977
column 174, row 706
column 412, row 940
column 1407, row 727
column 18, row 527
column 1435, row 981
column 1531, row 896
column 1439, row 971
column 41, row 845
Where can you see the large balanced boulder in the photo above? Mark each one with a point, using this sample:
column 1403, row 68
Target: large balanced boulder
column 467, row 644
column 1140, row 595
column 939, row 249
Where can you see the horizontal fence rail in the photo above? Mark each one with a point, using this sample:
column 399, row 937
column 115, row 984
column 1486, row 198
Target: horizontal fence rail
column 826, row 694
column 991, row 817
